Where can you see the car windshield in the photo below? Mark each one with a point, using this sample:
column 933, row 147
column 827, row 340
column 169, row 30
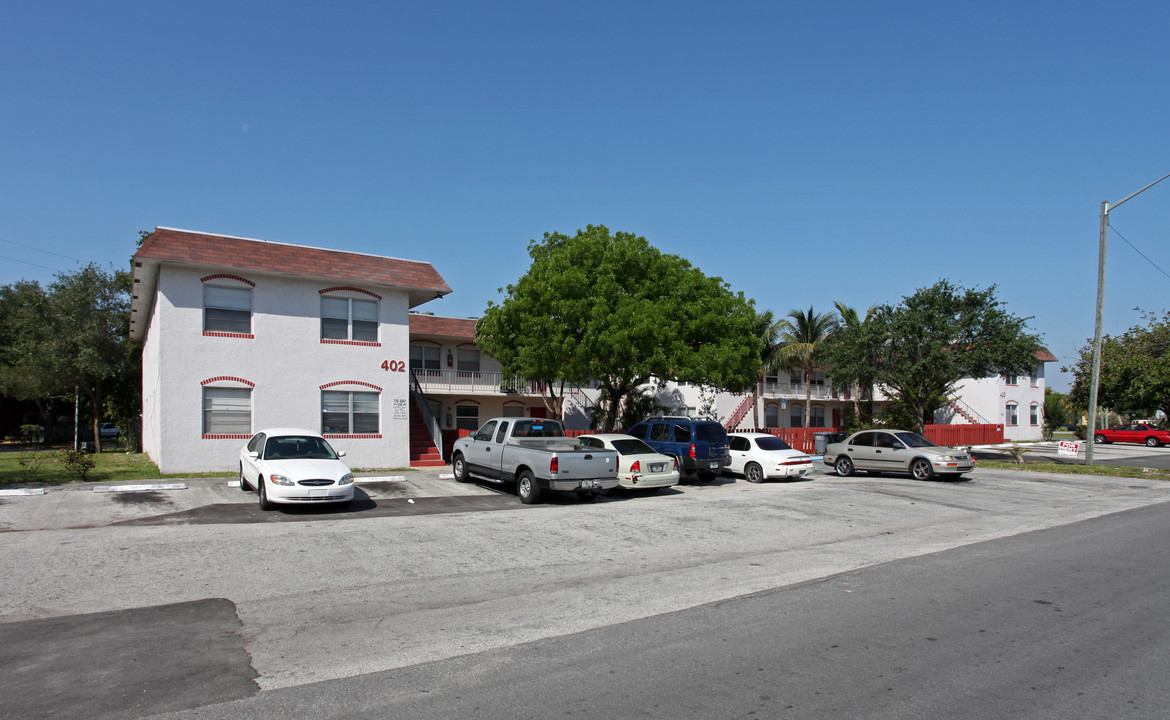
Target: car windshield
column 772, row 443
column 914, row 440
column 298, row 447
column 632, row 446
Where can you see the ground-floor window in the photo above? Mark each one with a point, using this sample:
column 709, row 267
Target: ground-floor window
column 1013, row 417
column 771, row 416
column 515, row 411
column 349, row 413
column 227, row 411
column 467, row 417
column 1034, row 414
column 795, row 416
column 816, row 417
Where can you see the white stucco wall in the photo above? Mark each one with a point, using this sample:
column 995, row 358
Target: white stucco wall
column 285, row 363
column 989, row 398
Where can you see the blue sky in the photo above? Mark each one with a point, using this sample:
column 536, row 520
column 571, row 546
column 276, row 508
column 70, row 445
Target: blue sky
column 805, row 153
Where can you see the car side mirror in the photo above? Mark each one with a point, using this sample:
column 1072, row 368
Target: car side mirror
column 340, row 453
column 253, row 454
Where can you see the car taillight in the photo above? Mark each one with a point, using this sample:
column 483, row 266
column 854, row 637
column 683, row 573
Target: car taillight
column 554, row 464
column 636, row 467
column 692, row 450
column 674, row 461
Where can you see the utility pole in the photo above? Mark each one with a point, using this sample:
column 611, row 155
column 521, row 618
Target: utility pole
column 1096, row 374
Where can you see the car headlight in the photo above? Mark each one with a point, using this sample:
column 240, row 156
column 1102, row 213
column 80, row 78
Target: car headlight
column 280, row 480
column 946, row 458
column 346, row 479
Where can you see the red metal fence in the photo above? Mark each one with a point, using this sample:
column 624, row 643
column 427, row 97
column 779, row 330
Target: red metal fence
column 954, row 435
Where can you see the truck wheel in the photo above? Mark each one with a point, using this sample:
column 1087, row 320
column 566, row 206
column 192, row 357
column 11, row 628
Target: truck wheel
column 586, row 495
column 459, row 467
column 527, row 488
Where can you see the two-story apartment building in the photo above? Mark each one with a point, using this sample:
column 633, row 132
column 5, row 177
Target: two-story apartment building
column 241, row 334
column 1014, row 401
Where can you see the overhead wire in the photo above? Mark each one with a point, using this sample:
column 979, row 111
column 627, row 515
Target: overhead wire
column 1139, row 252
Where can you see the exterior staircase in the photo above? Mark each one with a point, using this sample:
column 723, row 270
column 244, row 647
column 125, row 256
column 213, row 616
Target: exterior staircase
column 740, row 412
column 423, row 452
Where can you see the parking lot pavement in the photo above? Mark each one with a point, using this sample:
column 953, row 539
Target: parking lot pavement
column 81, row 505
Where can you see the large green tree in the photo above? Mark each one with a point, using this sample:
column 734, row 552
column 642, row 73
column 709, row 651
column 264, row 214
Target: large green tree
column 803, row 339
column 1135, row 368
column 919, row 350
column 71, row 335
column 613, row 308
column 848, row 317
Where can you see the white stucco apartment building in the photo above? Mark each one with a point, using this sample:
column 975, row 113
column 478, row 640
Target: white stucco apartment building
column 239, row 335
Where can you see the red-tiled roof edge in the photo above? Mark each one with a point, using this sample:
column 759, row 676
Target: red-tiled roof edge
column 426, row 324
column 1043, row 355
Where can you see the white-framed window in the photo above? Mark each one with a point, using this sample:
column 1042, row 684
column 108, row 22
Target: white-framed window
column 349, row 413
column 795, row 416
column 425, row 358
column 795, row 378
column 467, row 417
column 1012, row 414
column 349, row 319
column 515, row 411
column 227, row 411
column 1034, row 414
column 1011, row 379
column 467, row 360
column 816, row 416
column 816, row 377
column 771, row 416
column 227, row 309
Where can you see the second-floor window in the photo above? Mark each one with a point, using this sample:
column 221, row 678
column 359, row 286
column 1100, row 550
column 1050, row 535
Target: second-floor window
column 1011, row 379
column 468, row 360
column 349, row 319
column 424, row 358
column 227, row 309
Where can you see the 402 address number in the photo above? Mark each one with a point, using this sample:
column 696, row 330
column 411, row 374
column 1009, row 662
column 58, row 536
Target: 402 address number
column 393, row 366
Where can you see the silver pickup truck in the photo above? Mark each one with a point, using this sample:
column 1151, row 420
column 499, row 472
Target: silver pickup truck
column 535, row 454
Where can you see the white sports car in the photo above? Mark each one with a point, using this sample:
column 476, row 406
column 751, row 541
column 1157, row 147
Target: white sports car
column 760, row 456
column 290, row 465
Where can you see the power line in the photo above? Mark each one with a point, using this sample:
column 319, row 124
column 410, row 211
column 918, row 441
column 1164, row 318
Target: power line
column 1139, row 252
column 25, row 262
column 30, row 247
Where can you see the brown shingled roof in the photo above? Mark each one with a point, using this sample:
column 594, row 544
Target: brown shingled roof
column 442, row 326
column 182, row 246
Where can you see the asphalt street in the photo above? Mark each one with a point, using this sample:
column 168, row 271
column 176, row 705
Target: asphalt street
column 192, row 601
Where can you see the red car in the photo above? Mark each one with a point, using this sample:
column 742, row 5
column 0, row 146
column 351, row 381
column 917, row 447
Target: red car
column 1133, row 433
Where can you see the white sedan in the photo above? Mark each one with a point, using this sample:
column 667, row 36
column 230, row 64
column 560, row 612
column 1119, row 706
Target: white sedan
column 639, row 466
column 760, row 456
column 289, row 465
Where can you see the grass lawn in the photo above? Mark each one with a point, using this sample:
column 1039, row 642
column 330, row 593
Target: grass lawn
column 108, row 466
column 1055, row 467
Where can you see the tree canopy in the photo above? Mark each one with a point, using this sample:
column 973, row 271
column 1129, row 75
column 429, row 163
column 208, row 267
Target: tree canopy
column 71, row 335
column 919, row 350
column 613, row 308
column 1135, row 368
column 803, row 338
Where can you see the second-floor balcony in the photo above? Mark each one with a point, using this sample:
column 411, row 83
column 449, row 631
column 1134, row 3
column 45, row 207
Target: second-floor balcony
column 462, row 382
column 797, row 391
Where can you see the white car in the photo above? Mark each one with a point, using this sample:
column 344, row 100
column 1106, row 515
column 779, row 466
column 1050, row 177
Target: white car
column 290, row 465
column 639, row 466
column 760, row 456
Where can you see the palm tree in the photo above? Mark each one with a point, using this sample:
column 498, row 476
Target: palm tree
column 767, row 330
column 802, row 339
column 848, row 319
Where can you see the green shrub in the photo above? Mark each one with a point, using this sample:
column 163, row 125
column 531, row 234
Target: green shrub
column 77, row 461
column 29, row 462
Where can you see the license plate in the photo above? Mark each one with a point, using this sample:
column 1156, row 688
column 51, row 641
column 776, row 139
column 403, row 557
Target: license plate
column 588, row 484
column 714, row 466
column 657, row 467
column 318, row 493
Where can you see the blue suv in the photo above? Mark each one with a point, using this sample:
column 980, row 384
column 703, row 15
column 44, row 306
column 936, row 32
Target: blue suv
column 699, row 446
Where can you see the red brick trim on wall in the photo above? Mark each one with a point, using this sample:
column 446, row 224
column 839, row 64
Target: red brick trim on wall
column 349, row 382
column 222, row 378
column 362, row 343
column 213, row 333
column 352, row 437
column 227, row 277
column 349, row 289
column 226, row 437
